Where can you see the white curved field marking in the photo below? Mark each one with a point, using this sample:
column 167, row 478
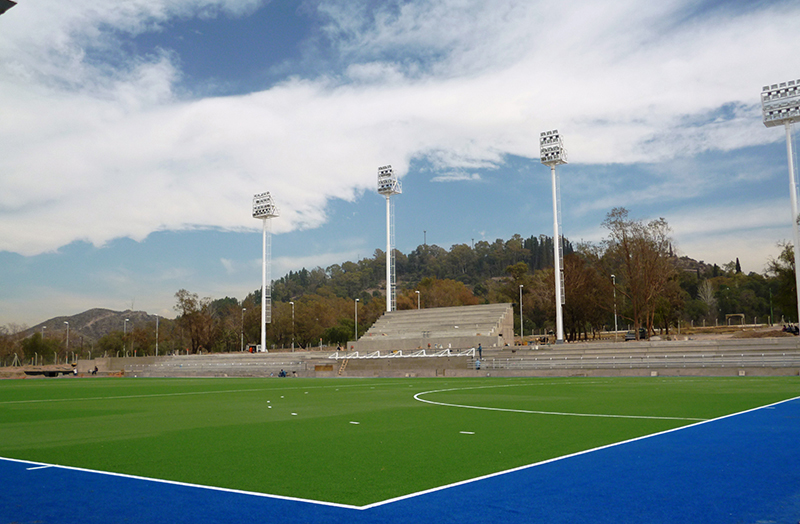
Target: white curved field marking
column 534, row 412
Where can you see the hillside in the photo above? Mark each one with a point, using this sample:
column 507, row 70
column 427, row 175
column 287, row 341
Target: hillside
column 92, row 324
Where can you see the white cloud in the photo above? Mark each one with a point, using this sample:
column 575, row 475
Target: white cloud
column 456, row 176
column 95, row 151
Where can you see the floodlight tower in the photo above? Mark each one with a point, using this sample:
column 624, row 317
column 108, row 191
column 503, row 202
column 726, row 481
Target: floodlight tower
column 552, row 153
column 780, row 105
column 265, row 209
column 388, row 185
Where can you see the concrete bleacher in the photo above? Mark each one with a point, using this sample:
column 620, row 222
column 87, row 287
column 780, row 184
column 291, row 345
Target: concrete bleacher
column 491, row 325
column 207, row 365
column 748, row 357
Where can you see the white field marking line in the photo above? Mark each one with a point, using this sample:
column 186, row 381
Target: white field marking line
column 403, row 497
column 186, row 393
column 556, row 459
column 533, row 412
column 185, row 484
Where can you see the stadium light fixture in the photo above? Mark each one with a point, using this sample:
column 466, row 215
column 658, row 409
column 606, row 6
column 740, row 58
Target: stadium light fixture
column 552, row 153
column 265, row 209
column 780, row 105
column 389, row 185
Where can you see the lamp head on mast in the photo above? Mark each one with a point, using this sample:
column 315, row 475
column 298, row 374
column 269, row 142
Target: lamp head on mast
column 551, row 148
column 388, row 184
column 264, row 206
column 780, row 103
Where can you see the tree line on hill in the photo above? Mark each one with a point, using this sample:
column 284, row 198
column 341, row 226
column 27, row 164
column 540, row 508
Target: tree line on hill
column 633, row 272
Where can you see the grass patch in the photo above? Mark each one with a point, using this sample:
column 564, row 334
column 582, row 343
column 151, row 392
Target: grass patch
column 352, row 441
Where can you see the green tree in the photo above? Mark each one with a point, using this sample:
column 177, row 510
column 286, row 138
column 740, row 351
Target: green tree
column 782, row 271
column 35, row 346
column 586, row 292
column 195, row 319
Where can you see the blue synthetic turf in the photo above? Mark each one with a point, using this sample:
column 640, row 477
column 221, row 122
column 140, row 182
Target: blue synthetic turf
column 740, row 469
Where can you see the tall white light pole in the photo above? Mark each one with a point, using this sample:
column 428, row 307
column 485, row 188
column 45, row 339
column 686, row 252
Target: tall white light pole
column 67, row 355
column 552, row 153
column 241, row 348
column 521, row 331
column 265, row 209
column 388, row 185
column 292, row 303
column 356, row 320
column 780, row 105
column 614, row 283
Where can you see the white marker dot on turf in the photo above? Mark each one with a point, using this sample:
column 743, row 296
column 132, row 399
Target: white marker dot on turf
column 351, row 422
column 467, row 432
column 295, row 414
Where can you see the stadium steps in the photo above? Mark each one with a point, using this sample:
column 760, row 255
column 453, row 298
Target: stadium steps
column 772, row 353
column 482, row 320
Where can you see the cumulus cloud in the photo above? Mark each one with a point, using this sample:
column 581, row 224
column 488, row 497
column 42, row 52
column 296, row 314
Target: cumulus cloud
column 96, row 144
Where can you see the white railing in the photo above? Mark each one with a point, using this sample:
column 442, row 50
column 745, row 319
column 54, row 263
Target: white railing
column 400, row 354
column 647, row 361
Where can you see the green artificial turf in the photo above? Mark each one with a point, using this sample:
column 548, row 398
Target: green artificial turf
column 350, row 441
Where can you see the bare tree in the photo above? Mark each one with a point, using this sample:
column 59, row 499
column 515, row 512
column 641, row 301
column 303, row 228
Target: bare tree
column 639, row 254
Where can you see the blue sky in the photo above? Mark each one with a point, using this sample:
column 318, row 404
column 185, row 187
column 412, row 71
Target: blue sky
column 134, row 135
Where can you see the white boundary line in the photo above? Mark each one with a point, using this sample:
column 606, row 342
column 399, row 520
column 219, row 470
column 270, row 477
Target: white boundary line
column 600, row 415
column 43, row 465
column 556, row 459
column 403, row 497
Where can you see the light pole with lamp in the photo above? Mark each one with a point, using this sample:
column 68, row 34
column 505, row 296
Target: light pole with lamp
column 552, row 153
column 388, row 185
column 521, row 331
column 242, row 330
column 417, row 292
column 356, row 320
column 66, row 356
column 780, row 105
column 156, row 335
column 292, row 303
column 265, row 209
column 614, row 285
column 125, row 334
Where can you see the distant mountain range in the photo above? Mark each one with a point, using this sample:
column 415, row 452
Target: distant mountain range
column 92, row 324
